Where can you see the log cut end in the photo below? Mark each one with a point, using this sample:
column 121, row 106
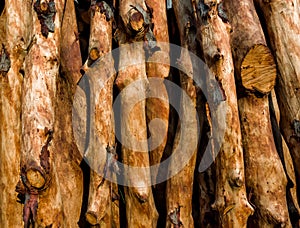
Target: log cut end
column 35, row 178
column 258, row 70
column 91, row 218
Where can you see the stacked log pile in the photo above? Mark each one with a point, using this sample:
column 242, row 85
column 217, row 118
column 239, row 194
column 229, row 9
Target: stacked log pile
column 87, row 126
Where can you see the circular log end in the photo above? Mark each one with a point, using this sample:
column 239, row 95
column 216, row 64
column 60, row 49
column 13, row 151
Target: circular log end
column 35, row 178
column 258, row 70
column 136, row 21
column 94, row 54
column 91, row 218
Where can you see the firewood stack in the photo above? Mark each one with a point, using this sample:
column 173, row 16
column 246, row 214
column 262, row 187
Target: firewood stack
column 89, row 135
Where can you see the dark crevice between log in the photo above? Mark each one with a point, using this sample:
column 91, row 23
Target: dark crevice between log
column 293, row 212
column 46, row 14
column 2, row 6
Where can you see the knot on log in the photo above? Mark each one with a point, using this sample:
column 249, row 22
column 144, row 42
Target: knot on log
column 46, row 14
column 236, row 179
column 4, row 60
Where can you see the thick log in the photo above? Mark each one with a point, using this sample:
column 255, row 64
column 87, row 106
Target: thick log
column 281, row 19
column 180, row 187
column 101, row 153
column 261, row 158
column 254, row 64
column 231, row 201
column 68, row 157
column 14, row 39
column 41, row 69
column 140, row 208
column 157, row 108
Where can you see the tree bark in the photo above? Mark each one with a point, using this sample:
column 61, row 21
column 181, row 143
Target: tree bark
column 254, row 64
column 180, row 187
column 140, row 207
column 158, row 108
column 231, row 201
column 281, row 19
column 101, row 154
column 261, row 158
column 38, row 171
column 14, row 37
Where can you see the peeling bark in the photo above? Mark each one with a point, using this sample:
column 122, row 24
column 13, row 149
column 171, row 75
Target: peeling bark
column 254, row 68
column 157, row 108
column 231, row 201
column 101, row 153
column 41, row 70
column 14, row 37
column 140, row 207
column 282, row 20
column 180, row 187
column 262, row 162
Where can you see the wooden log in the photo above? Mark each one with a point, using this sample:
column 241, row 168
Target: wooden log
column 267, row 190
column 180, row 187
column 41, row 69
column 158, row 108
column 101, row 153
column 13, row 51
column 231, row 201
column 255, row 68
column 70, row 50
column 140, row 207
column 281, row 19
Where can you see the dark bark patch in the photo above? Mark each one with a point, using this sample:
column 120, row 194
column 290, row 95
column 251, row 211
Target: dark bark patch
column 4, row 60
column 46, row 14
column 296, row 126
column 175, row 217
column 45, row 153
column 105, row 7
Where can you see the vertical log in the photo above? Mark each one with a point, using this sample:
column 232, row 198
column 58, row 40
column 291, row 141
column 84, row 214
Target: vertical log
column 263, row 163
column 254, row 65
column 38, row 108
column 282, row 20
column 14, row 40
column 140, row 207
column 101, row 152
column 180, row 186
column 68, row 157
column 157, row 108
column 231, row 201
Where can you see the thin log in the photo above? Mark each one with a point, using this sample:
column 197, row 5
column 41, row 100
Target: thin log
column 157, row 108
column 231, row 201
column 101, row 153
column 267, row 190
column 281, row 19
column 255, row 68
column 180, row 187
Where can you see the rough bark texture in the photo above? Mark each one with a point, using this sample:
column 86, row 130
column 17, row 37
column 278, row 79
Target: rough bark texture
column 231, row 201
column 261, row 160
column 12, row 31
column 180, row 187
column 158, row 108
column 282, row 20
column 140, row 207
column 101, row 153
column 254, row 64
